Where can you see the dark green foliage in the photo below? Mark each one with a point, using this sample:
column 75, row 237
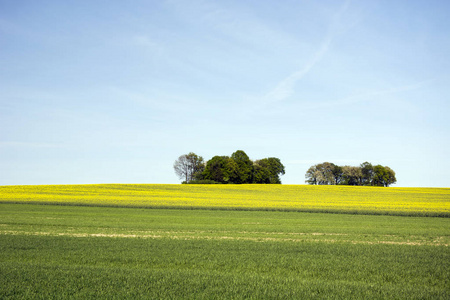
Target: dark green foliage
column 383, row 176
column 221, row 169
column 268, row 170
column 367, row 173
column 364, row 175
column 261, row 173
column 244, row 167
column 336, row 171
column 239, row 169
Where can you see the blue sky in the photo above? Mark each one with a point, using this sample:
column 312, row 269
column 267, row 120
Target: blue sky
column 115, row 91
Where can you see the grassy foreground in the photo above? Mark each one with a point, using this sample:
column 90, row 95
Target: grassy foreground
column 116, row 253
column 335, row 199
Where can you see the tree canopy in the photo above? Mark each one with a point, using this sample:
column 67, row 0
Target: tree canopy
column 237, row 168
column 365, row 175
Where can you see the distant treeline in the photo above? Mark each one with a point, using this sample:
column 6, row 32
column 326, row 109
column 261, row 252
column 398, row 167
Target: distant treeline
column 237, row 168
column 365, row 175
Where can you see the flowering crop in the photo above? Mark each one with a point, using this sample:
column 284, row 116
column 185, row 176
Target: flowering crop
column 336, row 199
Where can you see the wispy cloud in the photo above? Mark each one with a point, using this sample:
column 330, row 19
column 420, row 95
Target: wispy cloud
column 367, row 96
column 285, row 88
column 17, row 144
column 233, row 26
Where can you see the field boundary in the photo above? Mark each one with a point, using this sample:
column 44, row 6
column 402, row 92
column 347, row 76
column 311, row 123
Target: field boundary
column 228, row 208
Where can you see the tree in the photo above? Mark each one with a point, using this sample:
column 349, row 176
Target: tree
column 234, row 175
column 383, row 176
column 221, row 169
column 244, row 167
column 261, row 173
column 390, row 178
column 224, row 169
column 337, row 174
column 367, row 173
column 324, row 173
column 189, row 166
column 269, row 170
column 312, row 175
column 351, row 175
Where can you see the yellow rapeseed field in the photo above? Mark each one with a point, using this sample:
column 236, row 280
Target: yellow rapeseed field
column 343, row 199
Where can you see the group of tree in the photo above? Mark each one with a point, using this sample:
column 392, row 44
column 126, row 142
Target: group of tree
column 364, row 175
column 237, row 168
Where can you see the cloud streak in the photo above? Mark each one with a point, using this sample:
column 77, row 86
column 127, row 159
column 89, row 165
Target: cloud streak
column 29, row 145
column 286, row 87
column 364, row 97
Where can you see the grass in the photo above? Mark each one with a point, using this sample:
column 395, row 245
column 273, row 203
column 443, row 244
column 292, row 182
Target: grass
column 109, row 252
column 81, row 221
column 334, row 199
column 223, row 242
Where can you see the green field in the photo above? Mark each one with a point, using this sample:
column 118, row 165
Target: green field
column 92, row 251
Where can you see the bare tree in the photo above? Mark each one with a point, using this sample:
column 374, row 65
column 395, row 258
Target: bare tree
column 188, row 166
column 324, row 173
column 312, row 175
